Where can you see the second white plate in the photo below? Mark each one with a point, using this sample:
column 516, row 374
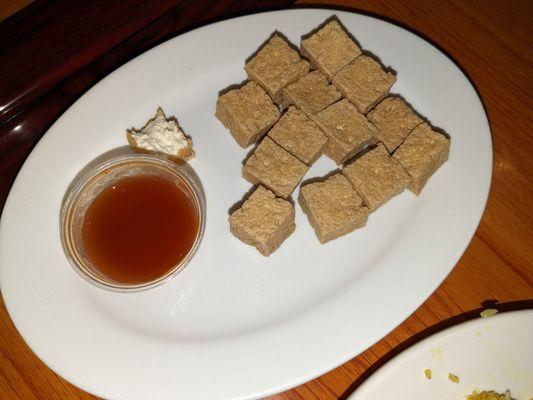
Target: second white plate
column 486, row 354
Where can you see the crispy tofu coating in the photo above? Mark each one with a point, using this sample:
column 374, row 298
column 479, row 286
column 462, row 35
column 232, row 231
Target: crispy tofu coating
column 333, row 207
column 248, row 113
column 421, row 154
column 299, row 135
column 263, row 221
column 274, row 167
column 275, row 66
column 330, row 49
column 364, row 82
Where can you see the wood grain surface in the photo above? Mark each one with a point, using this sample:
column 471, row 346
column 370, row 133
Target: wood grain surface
column 490, row 40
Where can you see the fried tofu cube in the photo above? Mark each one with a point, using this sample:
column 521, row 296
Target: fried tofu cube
column 376, row 177
column 421, row 154
column 248, row 113
column 395, row 119
column 263, row 221
column 275, row 66
column 364, row 82
column 274, row 167
column 330, row 49
column 311, row 93
column 333, row 207
column 347, row 129
column 299, row 135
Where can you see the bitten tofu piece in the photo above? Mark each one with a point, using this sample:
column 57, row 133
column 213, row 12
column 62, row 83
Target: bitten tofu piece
column 376, row 177
column 263, row 221
column 274, row 167
column 395, row 119
column 330, row 49
column 162, row 135
column 311, row 93
column 299, row 135
column 333, row 207
column 421, row 154
column 364, row 83
column 248, row 113
column 347, row 129
column 275, row 66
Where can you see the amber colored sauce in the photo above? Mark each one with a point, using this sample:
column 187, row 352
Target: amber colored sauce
column 136, row 230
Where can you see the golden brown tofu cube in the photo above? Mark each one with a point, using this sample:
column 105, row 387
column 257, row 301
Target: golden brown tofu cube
column 347, row 129
column 275, row 66
column 274, row 167
column 333, row 207
column 376, row 177
column 248, row 113
column 263, row 221
column 395, row 119
column 299, row 135
column 364, row 83
column 330, row 49
column 311, row 93
column 421, row 154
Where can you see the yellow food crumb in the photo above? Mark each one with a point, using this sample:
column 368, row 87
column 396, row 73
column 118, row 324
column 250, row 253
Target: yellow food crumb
column 489, row 395
column 453, row 378
column 427, row 372
column 489, row 312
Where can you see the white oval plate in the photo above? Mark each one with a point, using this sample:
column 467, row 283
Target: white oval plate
column 235, row 324
column 495, row 353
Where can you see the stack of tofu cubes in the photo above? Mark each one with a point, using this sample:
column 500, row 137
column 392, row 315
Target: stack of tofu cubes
column 335, row 100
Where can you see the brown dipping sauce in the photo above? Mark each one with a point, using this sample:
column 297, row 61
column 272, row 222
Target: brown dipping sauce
column 139, row 228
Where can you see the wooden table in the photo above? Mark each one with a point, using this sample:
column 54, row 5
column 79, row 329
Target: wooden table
column 44, row 70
